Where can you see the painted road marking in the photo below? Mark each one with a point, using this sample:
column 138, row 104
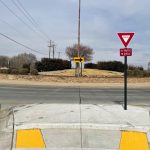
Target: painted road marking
column 133, row 141
column 29, row 139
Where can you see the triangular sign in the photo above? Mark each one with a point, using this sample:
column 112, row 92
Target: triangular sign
column 126, row 37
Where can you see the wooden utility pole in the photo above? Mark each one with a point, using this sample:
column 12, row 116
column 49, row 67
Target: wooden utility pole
column 50, row 48
column 53, row 50
column 59, row 54
column 78, row 64
column 79, row 28
column 149, row 66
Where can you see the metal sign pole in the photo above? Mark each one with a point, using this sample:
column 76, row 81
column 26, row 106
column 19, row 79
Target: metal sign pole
column 125, row 38
column 81, row 69
column 125, row 82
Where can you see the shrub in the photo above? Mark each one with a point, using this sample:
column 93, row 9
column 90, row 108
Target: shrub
column 138, row 73
column 90, row 66
column 23, row 71
column 47, row 64
column 131, row 67
column 39, row 66
column 14, row 71
column 26, row 66
column 111, row 65
column 5, row 71
column 34, row 72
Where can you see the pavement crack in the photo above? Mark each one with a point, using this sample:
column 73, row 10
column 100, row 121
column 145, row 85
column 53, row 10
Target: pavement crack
column 113, row 114
column 12, row 141
column 81, row 131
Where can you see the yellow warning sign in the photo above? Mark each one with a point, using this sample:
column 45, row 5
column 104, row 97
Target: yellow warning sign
column 133, row 141
column 78, row 59
column 29, row 139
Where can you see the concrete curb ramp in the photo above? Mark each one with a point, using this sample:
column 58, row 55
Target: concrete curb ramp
column 70, row 127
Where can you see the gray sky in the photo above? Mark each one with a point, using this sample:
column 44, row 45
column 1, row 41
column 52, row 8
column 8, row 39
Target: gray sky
column 100, row 22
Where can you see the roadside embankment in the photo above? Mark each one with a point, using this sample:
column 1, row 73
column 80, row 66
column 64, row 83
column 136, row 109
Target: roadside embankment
column 73, row 81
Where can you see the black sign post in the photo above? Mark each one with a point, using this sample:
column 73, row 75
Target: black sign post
column 125, row 37
column 125, row 82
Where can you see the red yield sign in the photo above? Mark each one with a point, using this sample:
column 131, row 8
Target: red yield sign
column 126, row 37
column 126, row 52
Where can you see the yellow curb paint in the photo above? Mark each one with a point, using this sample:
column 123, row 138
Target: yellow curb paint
column 134, row 141
column 29, row 139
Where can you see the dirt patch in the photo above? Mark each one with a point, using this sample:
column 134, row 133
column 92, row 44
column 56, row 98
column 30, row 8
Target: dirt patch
column 71, row 81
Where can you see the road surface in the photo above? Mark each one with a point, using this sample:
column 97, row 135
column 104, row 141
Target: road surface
column 16, row 94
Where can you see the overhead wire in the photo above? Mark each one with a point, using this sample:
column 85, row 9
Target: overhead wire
column 28, row 18
column 32, row 20
column 14, row 2
column 10, row 10
column 16, row 15
column 11, row 26
column 27, row 47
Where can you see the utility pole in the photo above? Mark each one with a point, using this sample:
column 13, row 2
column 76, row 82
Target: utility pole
column 8, row 63
column 149, row 66
column 53, row 50
column 50, row 49
column 78, row 65
column 59, row 54
column 79, row 28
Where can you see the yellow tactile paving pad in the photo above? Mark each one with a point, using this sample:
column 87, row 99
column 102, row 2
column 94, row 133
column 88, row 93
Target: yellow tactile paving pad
column 133, row 141
column 29, row 139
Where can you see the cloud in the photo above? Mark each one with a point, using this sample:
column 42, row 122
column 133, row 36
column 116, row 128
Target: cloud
column 100, row 22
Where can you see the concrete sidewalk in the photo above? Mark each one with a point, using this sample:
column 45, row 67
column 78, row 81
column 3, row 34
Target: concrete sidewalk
column 92, row 117
column 5, row 132
column 72, row 126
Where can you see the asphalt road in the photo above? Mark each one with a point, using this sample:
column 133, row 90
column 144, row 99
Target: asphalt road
column 13, row 94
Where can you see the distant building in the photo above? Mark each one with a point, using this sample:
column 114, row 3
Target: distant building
column 4, row 68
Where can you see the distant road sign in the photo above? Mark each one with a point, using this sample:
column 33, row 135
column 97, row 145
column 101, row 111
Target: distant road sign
column 126, row 37
column 78, row 59
column 126, row 52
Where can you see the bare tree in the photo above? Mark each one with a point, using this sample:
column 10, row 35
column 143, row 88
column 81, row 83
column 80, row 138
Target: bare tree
column 4, row 61
column 85, row 51
column 19, row 61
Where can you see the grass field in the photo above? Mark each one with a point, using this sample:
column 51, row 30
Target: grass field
column 86, row 73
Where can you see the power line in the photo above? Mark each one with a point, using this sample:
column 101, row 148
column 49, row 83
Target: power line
column 21, row 5
column 14, row 2
column 18, row 17
column 28, row 18
column 11, row 26
column 21, row 44
column 31, row 19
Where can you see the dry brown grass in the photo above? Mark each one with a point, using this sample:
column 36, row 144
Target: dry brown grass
column 86, row 73
column 90, row 78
